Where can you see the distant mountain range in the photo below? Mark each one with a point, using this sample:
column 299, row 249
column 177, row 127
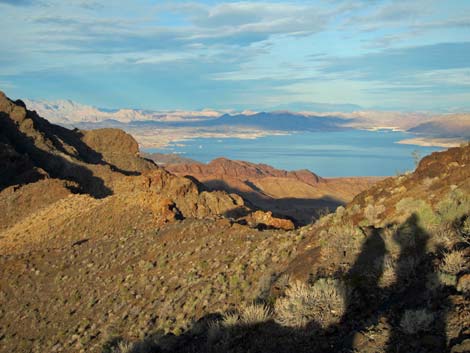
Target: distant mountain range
column 439, row 130
column 69, row 112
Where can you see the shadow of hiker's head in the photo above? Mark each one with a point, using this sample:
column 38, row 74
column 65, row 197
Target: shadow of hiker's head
column 370, row 257
column 411, row 236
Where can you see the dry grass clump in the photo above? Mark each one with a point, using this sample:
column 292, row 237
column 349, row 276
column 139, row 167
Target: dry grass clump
column 254, row 314
column 230, row 319
column 323, row 302
column 134, row 347
column 214, row 332
column 447, row 236
column 124, row 347
column 415, row 321
column 453, row 262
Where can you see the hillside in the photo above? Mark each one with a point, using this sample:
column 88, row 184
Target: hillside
column 104, row 251
column 387, row 273
column 300, row 195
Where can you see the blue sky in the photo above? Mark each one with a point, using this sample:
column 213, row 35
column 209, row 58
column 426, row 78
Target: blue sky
column 394, row 55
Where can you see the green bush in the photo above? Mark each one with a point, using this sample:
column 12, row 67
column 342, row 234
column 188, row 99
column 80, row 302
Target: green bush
column 454, row 206
column 427, row 217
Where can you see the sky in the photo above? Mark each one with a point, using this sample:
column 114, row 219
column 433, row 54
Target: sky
column 388, row 55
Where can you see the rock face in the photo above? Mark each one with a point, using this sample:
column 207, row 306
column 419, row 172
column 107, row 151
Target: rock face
column 266, row 219
column 223, row 167
column 104, row 164
column 300, row 195
column 117, row 148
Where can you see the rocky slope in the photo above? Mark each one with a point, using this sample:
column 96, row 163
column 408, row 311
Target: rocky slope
column 106, row 252
column 103, row 163
column 300, row 195
column 388, row 273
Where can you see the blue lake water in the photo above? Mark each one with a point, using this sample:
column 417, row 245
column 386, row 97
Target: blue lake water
column 343, row 153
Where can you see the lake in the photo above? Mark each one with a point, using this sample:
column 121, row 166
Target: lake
column 329, row 154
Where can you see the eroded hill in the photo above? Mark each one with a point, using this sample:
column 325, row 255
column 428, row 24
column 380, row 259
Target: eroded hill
column 300, row 195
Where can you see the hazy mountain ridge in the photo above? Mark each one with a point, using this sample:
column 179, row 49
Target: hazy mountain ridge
column 429, row 128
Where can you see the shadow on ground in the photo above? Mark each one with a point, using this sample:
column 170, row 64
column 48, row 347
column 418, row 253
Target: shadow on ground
column 375, row 319
column 299, row 210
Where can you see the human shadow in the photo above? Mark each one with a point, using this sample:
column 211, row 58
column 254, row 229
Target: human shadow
column 370, row 304
column 364, row 300
column 417, row 302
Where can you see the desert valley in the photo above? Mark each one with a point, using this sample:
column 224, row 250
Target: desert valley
column 234, row 176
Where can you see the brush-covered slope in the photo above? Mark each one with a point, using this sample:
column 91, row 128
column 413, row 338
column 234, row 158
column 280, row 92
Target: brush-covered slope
column 96, row 241
column 103, row 254
column 387, row 273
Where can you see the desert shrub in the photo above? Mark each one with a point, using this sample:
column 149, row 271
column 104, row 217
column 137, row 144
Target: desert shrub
column 455, row 205
column 372, row 212
column 392, row 270
column 230, row 319
column 453, row 262
column 446, row 235
column 124, row 347
column 254, row 314
column 340, row 211
column 414, row 321
column 323, row 302
column 345, row 230
column 446, row 279
column 389, row 273
column 427, row 217
column 391, row 245
column 145, row 346
column 283, row 281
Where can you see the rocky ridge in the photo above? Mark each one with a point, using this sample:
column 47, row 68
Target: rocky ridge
column 103, row 163
column 300, row 195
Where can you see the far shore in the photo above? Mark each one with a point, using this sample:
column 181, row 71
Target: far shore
column 432, row 142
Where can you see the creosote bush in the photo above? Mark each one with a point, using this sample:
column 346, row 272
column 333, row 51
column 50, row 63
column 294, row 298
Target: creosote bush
column 415, row 321
column 323, row 302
